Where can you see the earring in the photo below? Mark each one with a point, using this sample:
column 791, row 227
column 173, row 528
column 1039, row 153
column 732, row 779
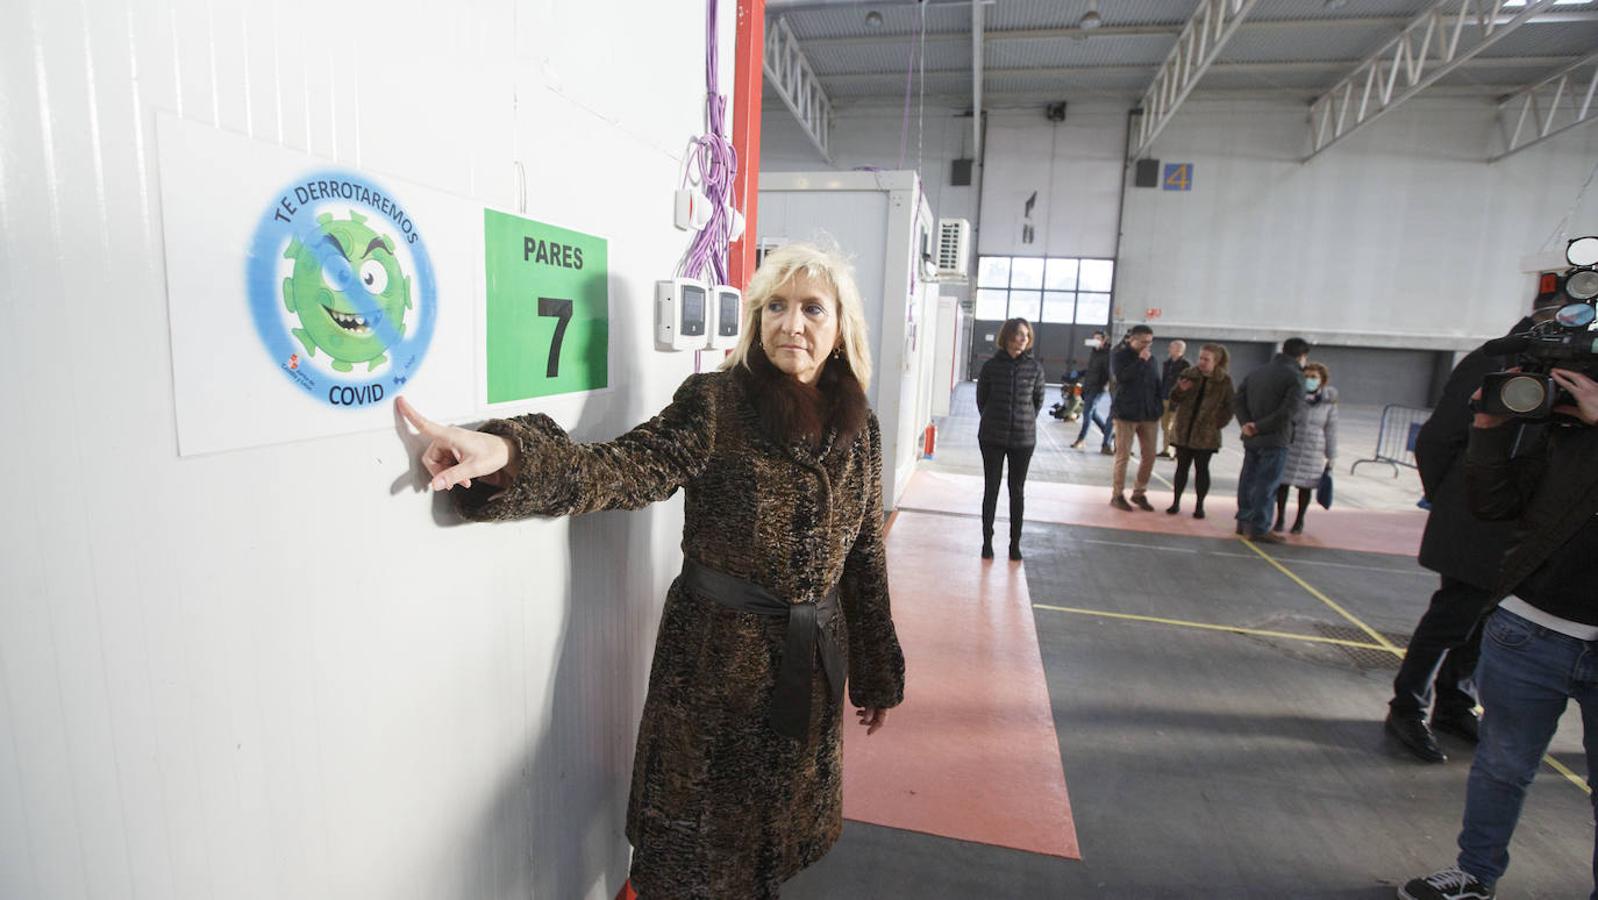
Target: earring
column 837, row 353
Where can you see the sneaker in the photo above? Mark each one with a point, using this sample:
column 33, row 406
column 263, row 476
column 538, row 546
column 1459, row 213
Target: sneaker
column 1119, row 502
column 1107, row 451
column 1077, row 444
column 1416, row 736
column 1141, row 501
column 1447, row 884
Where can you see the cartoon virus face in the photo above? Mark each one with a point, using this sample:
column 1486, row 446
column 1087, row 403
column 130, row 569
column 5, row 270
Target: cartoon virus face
column 348, row 291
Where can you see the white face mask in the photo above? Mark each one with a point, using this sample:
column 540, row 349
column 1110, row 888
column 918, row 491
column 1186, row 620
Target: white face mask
column 1312, row 384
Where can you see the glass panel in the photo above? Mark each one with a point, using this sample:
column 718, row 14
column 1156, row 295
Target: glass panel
column 990, row 305
column 1026, row 272
column 1093, row 309
column 1025, row 304
column 993, row 271
column 1060, row 275
column 1097, row 274
column 1058, row 306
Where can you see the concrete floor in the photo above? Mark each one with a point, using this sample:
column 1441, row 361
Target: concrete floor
column 1208, row 763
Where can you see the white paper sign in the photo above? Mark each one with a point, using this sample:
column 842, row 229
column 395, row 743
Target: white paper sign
column 304, row 295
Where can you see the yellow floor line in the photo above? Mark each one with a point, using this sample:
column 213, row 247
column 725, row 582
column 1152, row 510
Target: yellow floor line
column 1570, row 776
column 1234, row 629
column 1387, row 645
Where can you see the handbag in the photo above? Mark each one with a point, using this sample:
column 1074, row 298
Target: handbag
column 1323, row 491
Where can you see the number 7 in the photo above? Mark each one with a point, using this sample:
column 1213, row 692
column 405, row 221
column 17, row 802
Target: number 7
column 561, row 310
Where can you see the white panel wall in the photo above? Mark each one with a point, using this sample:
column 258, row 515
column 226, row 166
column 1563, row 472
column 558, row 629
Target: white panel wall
column 285, row 672
column 1400, row 236
column 1074, row 168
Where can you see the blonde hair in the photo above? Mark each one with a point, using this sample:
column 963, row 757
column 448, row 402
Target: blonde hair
column 822, row 264
column 1223, row 359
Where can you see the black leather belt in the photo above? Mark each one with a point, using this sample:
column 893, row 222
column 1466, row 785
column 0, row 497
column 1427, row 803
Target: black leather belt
column 790, row 700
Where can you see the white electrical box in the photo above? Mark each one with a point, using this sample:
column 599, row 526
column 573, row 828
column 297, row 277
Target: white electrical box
column 682, row 314
column 726, row 318
column 954, row 245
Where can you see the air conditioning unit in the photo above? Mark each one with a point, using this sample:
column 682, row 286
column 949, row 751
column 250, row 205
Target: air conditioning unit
column 954, row 249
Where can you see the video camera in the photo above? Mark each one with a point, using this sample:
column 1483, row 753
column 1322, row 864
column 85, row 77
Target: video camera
column 1567, row 341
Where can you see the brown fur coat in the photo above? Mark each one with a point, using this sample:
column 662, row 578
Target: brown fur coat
column 721, row 805
column 1201, row 410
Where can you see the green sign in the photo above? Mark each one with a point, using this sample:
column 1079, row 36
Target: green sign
column 548, row 309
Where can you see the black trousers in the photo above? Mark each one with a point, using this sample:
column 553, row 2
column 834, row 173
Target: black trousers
column 1199, row 461
column 1443, row 652
column 993, row 458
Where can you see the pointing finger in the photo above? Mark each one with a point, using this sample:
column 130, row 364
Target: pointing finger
column 421, row 422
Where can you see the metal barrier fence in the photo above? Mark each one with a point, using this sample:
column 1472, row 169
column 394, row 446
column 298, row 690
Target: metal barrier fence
column 1395, row 439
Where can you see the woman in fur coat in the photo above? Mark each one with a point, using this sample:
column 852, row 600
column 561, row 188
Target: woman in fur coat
column 1201, row 403
column 737, row 781
column 1314, row 447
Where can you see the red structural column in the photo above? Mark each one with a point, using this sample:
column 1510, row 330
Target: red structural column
column 747, row 75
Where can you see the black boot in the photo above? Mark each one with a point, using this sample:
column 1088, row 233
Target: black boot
column 1015, row 548
column 987, row 543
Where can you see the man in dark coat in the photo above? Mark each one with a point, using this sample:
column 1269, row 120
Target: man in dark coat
column 1265, row 403
column 1136, row 410
column 1465, row 552
column 1539, row 644
column 1175, row 364
column 1095, row 380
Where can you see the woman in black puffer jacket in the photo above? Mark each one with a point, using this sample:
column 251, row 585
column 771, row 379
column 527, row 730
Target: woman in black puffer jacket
column 1009, row 396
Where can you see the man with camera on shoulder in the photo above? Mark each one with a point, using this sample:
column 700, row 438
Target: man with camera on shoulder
column 1540, row 648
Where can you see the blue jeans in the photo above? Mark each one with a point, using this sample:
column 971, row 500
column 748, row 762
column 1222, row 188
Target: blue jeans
column 1526, row 675
column 1256, row 487
column 1090, row 417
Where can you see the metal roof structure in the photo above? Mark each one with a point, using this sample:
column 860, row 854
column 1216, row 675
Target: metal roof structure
column 1037, row 51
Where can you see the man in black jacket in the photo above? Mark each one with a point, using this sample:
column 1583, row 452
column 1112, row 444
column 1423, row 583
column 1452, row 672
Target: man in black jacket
column 1094, row 382
column 1264, row 404
column 1464, row 551
column 1540, row 647
column 1136, row 411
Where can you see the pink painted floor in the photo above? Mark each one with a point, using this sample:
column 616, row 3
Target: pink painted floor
column 972, row 753
column 1371, row 531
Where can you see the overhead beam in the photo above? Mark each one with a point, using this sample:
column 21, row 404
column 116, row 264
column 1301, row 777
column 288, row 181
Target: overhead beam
column 1260, row 68
column 1197, row 47
column 1549, row 107
column 1436, row 42
column 976, row 83
column 993, row 36
column 790, row 74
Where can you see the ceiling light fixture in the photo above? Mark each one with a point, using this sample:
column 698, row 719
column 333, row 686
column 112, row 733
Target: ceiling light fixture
column 1091, row 18
column 873, row 19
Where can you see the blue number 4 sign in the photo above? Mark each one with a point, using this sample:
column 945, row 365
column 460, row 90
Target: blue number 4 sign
column 1179, row 176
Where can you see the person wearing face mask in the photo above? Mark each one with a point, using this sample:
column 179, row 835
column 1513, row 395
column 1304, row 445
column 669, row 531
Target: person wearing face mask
column 1202, row 402
column 1009, row 397
column 1314, row 448
column 783, row 596
column 1095, row 380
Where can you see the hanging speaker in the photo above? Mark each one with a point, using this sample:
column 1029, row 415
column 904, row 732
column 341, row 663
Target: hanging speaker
column 1148, row 173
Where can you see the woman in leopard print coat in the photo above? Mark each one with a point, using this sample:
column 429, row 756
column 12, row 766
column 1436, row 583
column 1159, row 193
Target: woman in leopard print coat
column 779, row 456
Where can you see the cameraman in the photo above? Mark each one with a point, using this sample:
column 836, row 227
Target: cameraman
column 1540, row 648
column 1464, row 551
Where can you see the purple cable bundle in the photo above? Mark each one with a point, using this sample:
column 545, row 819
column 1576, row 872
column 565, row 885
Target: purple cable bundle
column 716, row 162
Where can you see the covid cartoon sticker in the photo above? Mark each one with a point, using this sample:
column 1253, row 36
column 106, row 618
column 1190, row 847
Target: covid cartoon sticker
column 341, row 289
